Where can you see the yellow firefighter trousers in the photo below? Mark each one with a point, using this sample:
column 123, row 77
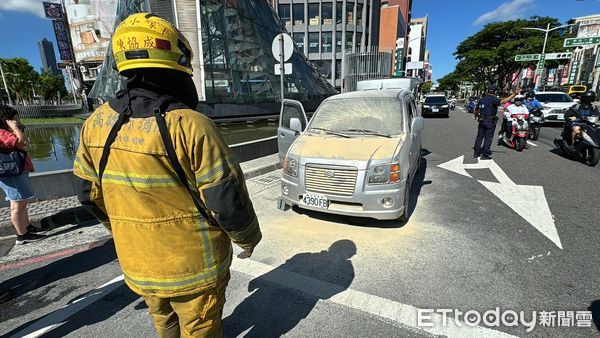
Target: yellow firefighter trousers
column 195, row 315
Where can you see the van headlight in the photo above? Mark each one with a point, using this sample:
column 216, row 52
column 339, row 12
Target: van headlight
column 290, row 167
column 445, row 106
column 426, row 106
column 384, row 174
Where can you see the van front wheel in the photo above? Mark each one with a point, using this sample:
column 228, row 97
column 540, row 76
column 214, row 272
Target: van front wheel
column 405, row 214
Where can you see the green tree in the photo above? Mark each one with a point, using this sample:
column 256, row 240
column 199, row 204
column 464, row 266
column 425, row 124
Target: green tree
column 51, row 86
column 488, row 56
column 426, row 88
column 20, row 76
column 450, row 82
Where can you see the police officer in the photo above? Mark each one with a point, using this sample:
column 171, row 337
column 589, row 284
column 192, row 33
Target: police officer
column 160, row 176
column 487, row 115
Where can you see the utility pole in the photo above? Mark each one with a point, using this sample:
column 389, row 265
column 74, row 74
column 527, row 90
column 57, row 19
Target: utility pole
column 540, row 71
column 5, row 85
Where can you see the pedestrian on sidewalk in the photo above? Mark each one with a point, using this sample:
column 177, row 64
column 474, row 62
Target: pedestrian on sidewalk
column 161, row 178
column 487, row 116
column 17, row 188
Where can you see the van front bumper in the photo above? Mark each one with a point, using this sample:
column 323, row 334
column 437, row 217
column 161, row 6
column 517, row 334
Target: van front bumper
column 361, row 204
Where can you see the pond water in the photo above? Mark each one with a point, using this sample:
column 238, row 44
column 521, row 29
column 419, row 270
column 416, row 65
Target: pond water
column 54, row 147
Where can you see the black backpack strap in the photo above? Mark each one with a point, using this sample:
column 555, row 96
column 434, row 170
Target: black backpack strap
column 166, row 137
column 112, row 136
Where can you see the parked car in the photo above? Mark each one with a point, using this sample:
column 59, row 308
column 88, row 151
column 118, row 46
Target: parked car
column 357, row 156
column 555, row 105
column 436, row 105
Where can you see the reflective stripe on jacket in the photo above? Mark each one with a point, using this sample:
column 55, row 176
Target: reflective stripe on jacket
column 165, row 248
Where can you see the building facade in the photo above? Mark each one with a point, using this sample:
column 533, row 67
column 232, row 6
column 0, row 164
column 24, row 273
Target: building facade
column 393, row 31
column 325, row 29
column 417, row 42
column 585, row 63
column 48, row 57
column 234, row 69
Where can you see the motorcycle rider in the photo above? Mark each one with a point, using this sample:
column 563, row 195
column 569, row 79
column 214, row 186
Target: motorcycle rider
column 532, row 103
column 472, row 105
column 453, row 102
column 573, row 116
column 516, row 108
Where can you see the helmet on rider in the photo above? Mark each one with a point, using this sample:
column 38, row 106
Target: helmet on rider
column 588, row 97
column 530, row 95
column 519, row 99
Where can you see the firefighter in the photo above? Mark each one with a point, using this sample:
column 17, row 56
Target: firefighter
column 161, row 178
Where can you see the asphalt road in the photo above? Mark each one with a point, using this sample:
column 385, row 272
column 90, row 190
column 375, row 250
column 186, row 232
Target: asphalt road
column 520, row 233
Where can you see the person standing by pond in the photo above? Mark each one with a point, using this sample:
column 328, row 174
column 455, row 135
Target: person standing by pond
column 17, row 189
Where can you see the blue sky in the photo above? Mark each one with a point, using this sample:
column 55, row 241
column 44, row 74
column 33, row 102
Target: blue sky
column 450, row 22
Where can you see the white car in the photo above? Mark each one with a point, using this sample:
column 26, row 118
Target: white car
column 555, row 105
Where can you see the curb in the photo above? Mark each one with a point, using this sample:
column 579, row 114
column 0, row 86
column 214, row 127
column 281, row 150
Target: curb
column 7, row 229
column 262, row 170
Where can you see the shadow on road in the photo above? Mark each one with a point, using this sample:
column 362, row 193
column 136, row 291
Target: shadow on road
column 595, row 308
column 102, row 310
column 78, row 215
column 34, row 289
column 415, row 191
column 273, row 310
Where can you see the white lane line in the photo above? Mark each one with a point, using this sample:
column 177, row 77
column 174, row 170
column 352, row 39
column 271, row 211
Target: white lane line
column 532, row 144
column 403, row 314
column 58, row 317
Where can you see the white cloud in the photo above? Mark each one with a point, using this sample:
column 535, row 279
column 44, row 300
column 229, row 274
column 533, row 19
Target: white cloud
column 511, row 10
column 28, row 6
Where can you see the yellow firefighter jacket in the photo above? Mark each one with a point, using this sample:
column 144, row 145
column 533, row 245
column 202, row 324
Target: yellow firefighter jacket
column 165, row 248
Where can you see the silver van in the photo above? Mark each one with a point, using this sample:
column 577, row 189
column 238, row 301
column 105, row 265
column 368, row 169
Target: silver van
column 356, row 156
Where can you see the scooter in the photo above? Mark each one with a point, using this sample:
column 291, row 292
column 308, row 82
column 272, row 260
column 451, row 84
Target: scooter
column 536, row 120
column 520, row 132
column 452, row 105
column 587, row 142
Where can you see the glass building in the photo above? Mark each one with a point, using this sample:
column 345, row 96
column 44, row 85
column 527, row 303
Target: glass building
column 233, row 64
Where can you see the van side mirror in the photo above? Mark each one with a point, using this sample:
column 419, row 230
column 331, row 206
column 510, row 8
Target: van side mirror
column 295, row 124
column 417, row 124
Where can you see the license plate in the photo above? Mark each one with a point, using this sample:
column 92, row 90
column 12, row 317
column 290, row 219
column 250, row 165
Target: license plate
column 435, row 110
column 314, row 200
column 560, row 116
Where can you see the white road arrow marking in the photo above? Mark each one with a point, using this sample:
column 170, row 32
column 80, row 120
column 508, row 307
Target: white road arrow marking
column 528, row 201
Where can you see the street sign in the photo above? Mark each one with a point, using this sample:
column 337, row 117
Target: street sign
column 573, row 73
column 52, row 11
column 540, row 65
column 573, row 42
column 287, row 68
column 288, row 47
column 557, row 56
column 415, row 65
column 61, row 65
column 527, row 57
column 398, row 66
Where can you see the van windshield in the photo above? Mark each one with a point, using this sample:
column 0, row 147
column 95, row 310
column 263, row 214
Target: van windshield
column 383, row 115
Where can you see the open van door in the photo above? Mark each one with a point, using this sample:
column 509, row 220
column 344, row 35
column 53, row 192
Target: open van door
column 292, row 122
